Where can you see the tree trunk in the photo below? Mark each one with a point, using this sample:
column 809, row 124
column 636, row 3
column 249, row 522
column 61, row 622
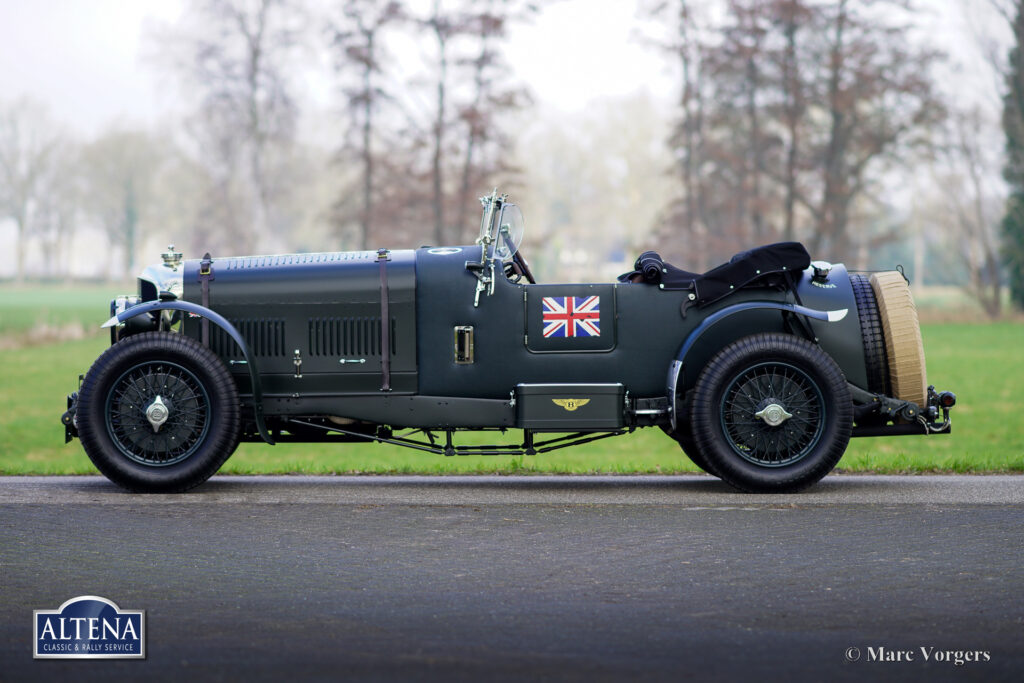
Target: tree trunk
column 692, row 104
column 833, row 216
column 991, row 284
column 756, row 161
column 791, row 85
column 1012, row 226
column 19, row 248
column 131, row 222
column 366, row 219
column 439, row 127
column 257, row 138
column 474, row 134
column 464, row 189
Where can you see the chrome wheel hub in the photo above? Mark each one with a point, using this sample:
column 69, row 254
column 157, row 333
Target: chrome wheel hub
column 773, row 414
column 157, row 413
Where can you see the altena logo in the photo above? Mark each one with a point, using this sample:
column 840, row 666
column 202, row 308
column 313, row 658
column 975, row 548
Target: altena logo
column 89, row 627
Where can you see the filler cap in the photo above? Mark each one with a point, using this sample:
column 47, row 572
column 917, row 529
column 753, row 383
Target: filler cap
column 821, row 270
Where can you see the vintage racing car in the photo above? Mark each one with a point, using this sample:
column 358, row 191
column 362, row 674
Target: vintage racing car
column 761, row 369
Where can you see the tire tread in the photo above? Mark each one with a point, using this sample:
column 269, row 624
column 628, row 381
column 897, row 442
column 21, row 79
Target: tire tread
column 707, row 429
column 198, row 467
column 872, row 335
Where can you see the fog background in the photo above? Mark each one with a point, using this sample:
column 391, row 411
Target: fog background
column 677, row 125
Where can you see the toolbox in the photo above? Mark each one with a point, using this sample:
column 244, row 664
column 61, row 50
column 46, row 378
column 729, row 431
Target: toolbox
column 570, row 407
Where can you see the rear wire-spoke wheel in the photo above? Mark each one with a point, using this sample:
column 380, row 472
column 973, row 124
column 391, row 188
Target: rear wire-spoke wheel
column 158, row 412
column 771, row 413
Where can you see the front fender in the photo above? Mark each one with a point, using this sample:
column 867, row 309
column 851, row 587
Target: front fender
column 221, row 322
column 678, row 365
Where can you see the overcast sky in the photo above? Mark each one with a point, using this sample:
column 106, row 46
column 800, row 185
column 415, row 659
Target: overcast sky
column 82, row 57
column 90, row 62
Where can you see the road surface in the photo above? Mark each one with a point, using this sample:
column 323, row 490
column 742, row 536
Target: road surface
column 512, row 578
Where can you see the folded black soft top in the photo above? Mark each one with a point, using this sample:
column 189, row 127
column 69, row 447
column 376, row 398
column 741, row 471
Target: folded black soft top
column 757, row 266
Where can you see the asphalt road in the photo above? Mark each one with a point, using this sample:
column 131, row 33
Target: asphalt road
column 512, row 578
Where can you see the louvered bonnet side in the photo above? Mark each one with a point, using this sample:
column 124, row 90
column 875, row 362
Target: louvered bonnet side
column 325, row 306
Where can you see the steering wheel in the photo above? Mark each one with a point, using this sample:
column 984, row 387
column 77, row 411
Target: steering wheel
column 522, row 268
column 512, row 272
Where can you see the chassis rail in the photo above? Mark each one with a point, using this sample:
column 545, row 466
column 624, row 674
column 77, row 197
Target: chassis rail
column 528, row 447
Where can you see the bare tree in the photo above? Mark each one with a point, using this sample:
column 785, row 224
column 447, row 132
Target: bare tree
column 445, row 26
column 235, row 56
column 877, row 97
column 748, row 40
column 492, row 97
column 590, row 214
column 30, row 147
column 738, row 143
column 119, row 168
column 798, row 107
column 58, row 212
column 971, row 205
column 688, row 214
column 457, row 141
column 1013, row 166
column 357, row 37
column 790, row 16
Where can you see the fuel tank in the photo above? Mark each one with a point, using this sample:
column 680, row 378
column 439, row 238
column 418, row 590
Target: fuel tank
column 843, row 340
column 313, row 321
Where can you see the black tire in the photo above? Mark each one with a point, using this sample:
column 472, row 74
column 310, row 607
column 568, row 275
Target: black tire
column 748, row 377
column 683, row 435
column 875, row 357
column 199, row 398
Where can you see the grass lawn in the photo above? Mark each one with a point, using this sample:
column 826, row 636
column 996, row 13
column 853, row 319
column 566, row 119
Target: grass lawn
column 983, row 364
column 39, row 312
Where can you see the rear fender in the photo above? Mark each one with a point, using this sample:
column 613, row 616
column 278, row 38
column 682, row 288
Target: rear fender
column 677, row 368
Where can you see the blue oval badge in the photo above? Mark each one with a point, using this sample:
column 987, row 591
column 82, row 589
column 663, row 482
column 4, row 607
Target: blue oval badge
column 89, row 627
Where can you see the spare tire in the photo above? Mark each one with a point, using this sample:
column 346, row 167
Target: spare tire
column 872, row 335
column 903, row 345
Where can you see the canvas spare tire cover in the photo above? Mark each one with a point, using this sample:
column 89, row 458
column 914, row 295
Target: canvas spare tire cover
column 902, row 337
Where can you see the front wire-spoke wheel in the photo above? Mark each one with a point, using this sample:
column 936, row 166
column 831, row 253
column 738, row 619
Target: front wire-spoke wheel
column 158, row 412
column 771, row 413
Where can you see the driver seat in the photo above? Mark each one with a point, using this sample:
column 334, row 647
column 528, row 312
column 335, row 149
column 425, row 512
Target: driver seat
column 651, row 269
column 769, row 266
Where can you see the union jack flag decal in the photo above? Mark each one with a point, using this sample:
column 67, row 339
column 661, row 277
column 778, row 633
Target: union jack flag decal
column 572, row 316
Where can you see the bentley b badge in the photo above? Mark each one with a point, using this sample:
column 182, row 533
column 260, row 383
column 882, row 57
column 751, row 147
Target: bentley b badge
column 570, row 404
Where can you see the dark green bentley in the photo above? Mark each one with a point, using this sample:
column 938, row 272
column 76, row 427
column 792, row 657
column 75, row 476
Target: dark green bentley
column 762, row 368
